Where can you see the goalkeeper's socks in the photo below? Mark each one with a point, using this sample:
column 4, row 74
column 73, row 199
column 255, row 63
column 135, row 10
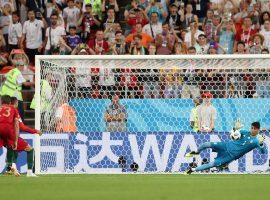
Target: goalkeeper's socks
column 30, row 159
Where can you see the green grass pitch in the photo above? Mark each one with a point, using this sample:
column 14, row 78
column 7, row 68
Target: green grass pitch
column 136, row 187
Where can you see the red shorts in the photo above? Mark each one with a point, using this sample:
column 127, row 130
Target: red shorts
column 22, row 144
column 7, row 136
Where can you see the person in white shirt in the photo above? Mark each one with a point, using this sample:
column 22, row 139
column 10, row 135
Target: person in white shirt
column 266, row 34
column 32, row 33
column 53, row 34
column 71, row 14
column 193, row 34
column 202, row 46
column 154, row 27
column 14, row 32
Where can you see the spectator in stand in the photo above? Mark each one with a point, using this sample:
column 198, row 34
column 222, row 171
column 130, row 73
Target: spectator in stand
column 3, row 55
column 174, row 19
column 155, row 6
column 207, row 114
column 99, row 45
column 118, row 47
column 266, row 34
column 14, row 32
column 191, row 78
column 71, row 14
column 129, row 10
column 265, row 5
column 53, row 34
column 146, row 39
column 257, row 44
column 136, row 47
column 138, row 16
column 106, row 5
column 115, row 116
column 91, row 24
column 264, row 16
column 96, row 6
column 32, row 33
column 110, row 26
column 165, row 41
column 153, row 28
column 36, row 5
column 209, row 17
column 143, row 3
column 5, row 21
column 246, row 32
column 58, row 9
column 182, row 35
column 180, row 48
column 192, row 35
column 189, row 16
column 226, row 31
column 202, row 45
column 240, row 48
column 72, row 39
column 200, row 8
column 110, row 19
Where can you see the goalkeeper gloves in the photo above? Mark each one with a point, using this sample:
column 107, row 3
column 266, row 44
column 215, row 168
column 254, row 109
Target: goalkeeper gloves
column 261, row 139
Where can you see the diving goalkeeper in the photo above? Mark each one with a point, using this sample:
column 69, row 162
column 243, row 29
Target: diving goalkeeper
column 230, row 151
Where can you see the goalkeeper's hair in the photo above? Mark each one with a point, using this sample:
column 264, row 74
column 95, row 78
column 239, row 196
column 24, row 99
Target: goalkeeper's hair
column 256, row 125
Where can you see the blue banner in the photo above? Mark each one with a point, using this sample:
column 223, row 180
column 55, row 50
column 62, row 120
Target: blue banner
column 161, row 115
column 98, row 152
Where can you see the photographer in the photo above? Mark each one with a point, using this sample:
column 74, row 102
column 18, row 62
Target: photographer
column 136, row 47
column 118, row 47
column 137, row 15
column 129, row 10
column 53, row 34
column 91, row 23
column 106, row 5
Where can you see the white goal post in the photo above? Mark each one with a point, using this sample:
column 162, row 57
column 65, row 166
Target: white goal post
column 156, row 94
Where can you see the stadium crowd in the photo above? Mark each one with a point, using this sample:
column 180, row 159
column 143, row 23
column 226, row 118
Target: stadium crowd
column 141, row 27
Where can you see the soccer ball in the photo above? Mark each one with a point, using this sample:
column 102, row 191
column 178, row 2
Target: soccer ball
column 235, row 135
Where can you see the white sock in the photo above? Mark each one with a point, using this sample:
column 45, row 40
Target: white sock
column 29, row 171
column 13, row 165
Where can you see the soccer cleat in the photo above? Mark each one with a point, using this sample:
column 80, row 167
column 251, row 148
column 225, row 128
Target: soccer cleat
column 189, row 171
column 31, row 174
column 192, row 153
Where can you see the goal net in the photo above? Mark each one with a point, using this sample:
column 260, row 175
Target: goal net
column 117, row 114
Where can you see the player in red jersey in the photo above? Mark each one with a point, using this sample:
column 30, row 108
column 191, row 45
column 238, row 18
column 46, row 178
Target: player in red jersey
column 23, row 145
column 9, row 129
